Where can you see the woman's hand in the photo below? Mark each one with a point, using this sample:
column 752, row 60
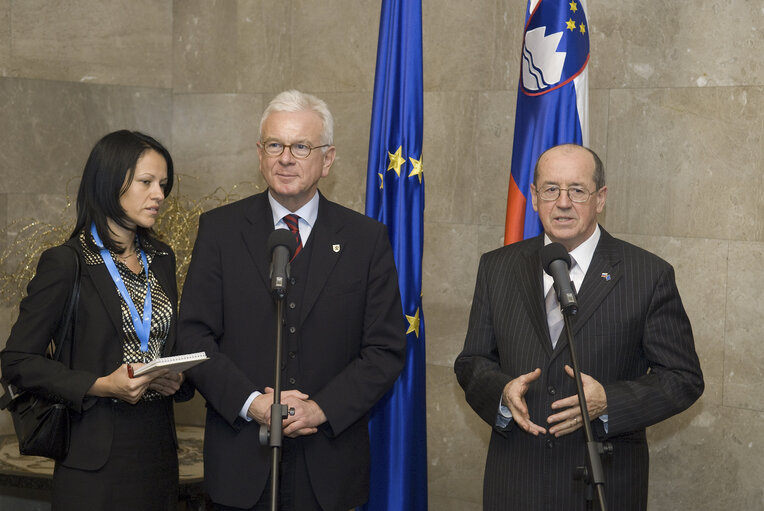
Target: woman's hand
column 167, row 383
column 120, row 385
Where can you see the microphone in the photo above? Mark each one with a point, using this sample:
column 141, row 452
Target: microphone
column 556, row 262
column 281, row 245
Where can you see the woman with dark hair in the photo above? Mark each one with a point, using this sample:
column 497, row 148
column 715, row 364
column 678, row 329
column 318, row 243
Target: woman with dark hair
column 122, row 450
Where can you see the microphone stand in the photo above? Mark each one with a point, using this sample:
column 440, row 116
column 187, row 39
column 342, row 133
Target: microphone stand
column 592, row 473
column 274, row 437
column 281, row 245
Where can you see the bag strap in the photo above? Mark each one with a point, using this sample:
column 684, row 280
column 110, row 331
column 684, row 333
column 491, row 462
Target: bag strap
column 9, row 395
column 65, row 334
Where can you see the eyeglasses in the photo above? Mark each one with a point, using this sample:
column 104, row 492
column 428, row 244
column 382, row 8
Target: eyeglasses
column 299, row 150
column 575, row 193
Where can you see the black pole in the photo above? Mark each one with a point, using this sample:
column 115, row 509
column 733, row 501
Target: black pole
column 278, row 412
column 281, row 245
column 273, row 436
column 592, row 474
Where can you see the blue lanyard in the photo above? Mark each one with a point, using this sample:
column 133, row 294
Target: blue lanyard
column 142, row 324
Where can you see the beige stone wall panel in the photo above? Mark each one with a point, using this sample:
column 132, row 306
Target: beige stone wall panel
column 5, row 36
column 743, row 355
column 50, row 127
column 215, row 138
column 676, row 44
column 471, row 46
column 450, row 154
column 687, row 162
column 457, row 443
column 493, row 156
column 205, row 46
column 714, row 464
column 126, row 42
column 231, row 46
column 265, row 42
column 448, row 274
column 334, row 45
column 346, row 182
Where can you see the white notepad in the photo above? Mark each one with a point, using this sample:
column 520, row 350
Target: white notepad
column 176, row 364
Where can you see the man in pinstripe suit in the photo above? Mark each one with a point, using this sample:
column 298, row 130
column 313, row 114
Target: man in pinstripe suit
column 633, row 339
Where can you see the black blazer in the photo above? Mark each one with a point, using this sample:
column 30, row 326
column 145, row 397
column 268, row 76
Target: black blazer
column 632, row 335
column 351, row 344
column 95, row 352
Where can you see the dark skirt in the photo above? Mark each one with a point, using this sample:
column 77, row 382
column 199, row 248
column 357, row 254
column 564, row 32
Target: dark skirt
column 141, row 472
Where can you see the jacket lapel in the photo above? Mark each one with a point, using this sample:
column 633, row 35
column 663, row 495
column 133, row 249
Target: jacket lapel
column 601, row 278
column 328, row 246
column 107, row 291
column 530, row 279
column 255, row 233
column 159, row 267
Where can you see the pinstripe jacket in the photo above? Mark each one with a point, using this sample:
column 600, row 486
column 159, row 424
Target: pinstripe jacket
column 631, row 334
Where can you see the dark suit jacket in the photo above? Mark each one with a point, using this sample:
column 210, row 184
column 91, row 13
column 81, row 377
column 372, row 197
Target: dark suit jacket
column 631, row 334
column 350, row 344
column 95, row 352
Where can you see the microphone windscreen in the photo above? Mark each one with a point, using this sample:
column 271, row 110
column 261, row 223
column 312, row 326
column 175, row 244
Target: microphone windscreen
column 553, row 252
column 282, row 237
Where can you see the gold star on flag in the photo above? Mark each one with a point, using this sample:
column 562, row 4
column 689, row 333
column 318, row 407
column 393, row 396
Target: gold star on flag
column 396, row 160
column 417, row 168
column 413, row 323
column 571, row 25
column 582, row 27
column 381, row 180
column 573, row 6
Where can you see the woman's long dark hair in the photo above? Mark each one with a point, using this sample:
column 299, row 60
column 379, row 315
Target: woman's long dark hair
column 108, row 174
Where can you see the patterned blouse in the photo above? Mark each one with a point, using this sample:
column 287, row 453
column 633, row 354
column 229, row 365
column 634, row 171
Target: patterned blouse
column 161, row 307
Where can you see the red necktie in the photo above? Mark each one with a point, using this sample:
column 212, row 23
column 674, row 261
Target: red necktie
column 292, row 223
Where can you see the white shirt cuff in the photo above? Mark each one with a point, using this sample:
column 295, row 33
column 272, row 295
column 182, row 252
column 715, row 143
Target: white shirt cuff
column 503, row 417
column 245, row 408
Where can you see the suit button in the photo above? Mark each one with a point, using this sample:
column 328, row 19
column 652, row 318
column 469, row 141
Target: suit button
column 292, row 281
column 292, row 329
column 292, row 381
column 549, row 443
column 551, row 390
column 292, row 354
column 292, row 305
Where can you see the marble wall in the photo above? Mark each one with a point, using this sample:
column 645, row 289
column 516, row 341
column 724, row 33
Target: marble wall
column 676, row 99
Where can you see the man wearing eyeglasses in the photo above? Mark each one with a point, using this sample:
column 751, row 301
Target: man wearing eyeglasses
column 344, row 335
column 633, row 340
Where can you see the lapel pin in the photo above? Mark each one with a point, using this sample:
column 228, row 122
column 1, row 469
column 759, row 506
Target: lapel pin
column 336, row 247
column 605, row 276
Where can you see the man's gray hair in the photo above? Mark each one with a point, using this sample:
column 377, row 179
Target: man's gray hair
column 296, row 101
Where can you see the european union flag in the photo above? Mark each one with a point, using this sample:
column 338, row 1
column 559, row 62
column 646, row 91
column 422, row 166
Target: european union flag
column 395, row 197
column 552, row 100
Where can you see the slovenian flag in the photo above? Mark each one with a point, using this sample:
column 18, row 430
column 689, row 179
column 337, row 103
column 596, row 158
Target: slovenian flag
column 552, row 100
column 395, row 197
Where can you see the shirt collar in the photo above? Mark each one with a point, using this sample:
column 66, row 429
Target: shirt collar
column 308, row 213
column 585, row 251
column 582, row 254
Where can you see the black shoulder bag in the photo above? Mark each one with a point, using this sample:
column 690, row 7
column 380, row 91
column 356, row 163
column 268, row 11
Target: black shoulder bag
column 42, row 422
